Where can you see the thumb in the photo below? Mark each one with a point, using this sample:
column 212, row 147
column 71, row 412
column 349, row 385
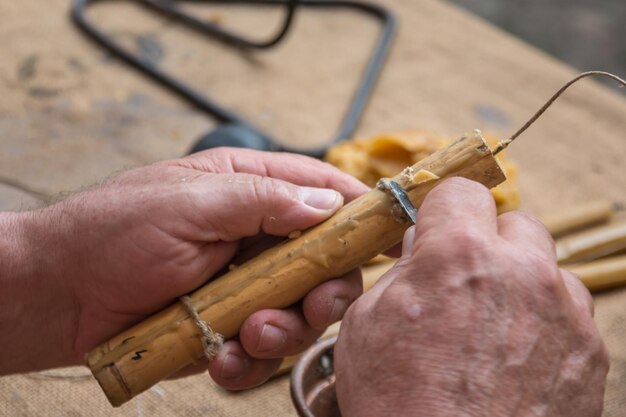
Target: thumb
column 234, row 206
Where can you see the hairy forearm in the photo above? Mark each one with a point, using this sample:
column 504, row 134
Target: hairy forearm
column 36, row 303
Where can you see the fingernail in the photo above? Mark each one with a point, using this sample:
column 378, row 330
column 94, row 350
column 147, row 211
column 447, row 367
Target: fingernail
column 320, row 198
column 340, row 305
column 407, row 242
column 233, row 366
column 271, row 338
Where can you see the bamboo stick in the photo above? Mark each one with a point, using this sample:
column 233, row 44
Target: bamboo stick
column 166, row 342
column 602, row 274
column 592, row 243
column 584, row 215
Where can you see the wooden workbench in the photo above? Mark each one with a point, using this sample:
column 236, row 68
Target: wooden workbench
column 70, row 115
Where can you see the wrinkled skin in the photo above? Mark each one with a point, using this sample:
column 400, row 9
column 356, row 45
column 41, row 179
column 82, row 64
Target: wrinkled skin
column 105, row 258
column 476, row 319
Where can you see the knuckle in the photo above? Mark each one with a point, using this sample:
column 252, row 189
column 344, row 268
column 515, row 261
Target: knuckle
column 550, row 284
column 457, row 185
column 519, row 216
column 469, row 239
column 225, row 154
column 467, row 246
column 531, row 222
column 546, row 274
column 260, row 188
column 267, row 190
column 280, row 190
column 218, row 160
column 215, row 160
column 465, row 253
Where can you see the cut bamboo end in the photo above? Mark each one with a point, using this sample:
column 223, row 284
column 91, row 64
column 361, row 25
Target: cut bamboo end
column 166, row 342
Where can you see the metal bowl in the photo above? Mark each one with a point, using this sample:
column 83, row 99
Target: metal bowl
column 313, row 382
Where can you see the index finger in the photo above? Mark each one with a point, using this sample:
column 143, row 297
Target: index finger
column 458, row 204
column 293, row 168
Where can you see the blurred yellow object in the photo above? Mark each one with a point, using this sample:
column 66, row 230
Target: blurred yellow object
column 387, row 154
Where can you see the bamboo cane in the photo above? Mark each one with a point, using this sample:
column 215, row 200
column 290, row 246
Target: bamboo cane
column 602, row 274
column 584, row 215
column 593, row 243
column 166, row 342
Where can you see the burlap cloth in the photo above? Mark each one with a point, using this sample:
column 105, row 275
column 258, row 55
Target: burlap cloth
column 69, row 116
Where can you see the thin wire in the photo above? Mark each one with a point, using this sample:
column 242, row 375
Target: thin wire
column 504, row 143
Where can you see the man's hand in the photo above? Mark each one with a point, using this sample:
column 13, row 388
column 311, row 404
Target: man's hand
column 476, row 319
column 107, row 257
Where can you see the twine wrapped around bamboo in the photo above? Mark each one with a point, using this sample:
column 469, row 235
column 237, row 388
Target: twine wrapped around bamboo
column 166, row 342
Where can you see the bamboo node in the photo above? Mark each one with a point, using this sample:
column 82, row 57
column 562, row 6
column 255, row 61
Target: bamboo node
column 211, row 341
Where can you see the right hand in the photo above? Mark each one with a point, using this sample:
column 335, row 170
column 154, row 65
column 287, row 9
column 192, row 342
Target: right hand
column 475, row 319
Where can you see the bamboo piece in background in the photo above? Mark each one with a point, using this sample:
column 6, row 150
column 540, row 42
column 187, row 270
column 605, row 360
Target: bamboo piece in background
column 602, row 274
column 150, row 351
column 592, row 243
column 578, row 217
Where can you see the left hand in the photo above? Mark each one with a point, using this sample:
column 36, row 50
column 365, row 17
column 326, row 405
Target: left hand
column 125, row 249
